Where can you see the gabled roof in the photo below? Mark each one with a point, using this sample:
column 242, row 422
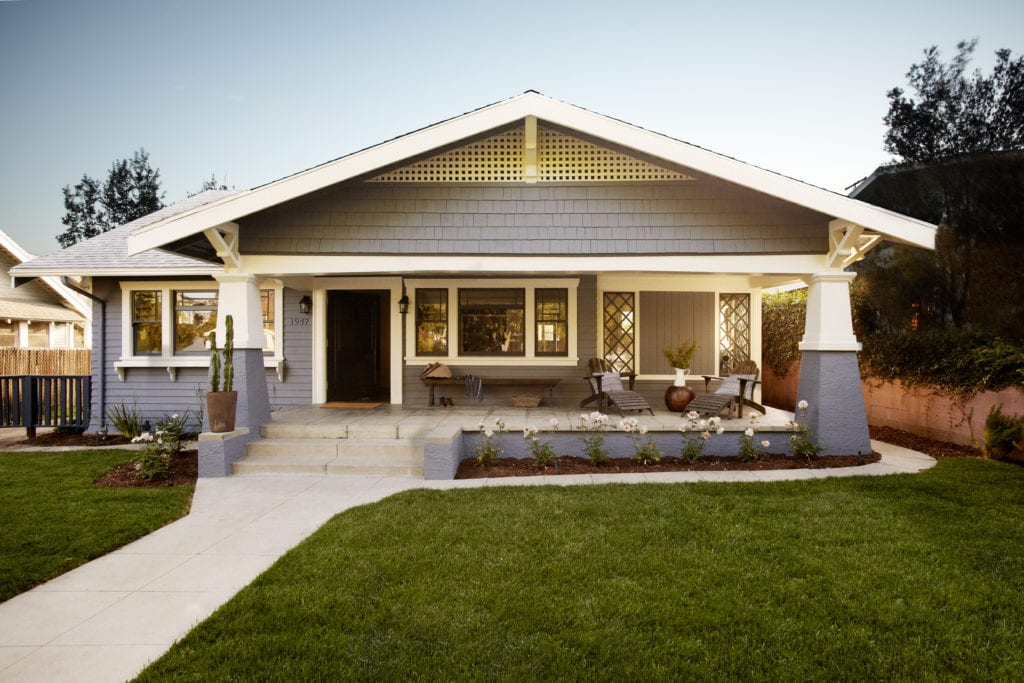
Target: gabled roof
column 107, row 253
column 183, row 224
column 73, row 300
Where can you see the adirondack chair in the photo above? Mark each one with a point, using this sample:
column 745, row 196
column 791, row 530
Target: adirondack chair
column 735, row 389
column 606, row 389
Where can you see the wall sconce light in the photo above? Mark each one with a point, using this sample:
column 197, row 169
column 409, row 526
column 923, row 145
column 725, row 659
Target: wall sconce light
column 403, row 304
column 306, row 305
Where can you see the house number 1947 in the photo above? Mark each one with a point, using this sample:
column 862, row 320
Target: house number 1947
column 298, row 322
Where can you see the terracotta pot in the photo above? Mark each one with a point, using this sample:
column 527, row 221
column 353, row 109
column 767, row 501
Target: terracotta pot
column 677, row 398
column 220, row 407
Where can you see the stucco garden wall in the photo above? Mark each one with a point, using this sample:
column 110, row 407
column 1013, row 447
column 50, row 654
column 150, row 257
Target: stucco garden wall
column 925, row 411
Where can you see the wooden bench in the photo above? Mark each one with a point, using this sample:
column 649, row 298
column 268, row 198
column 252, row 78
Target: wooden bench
column 544, row 383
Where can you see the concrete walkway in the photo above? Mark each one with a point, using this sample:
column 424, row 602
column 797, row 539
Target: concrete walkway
column 107, row 619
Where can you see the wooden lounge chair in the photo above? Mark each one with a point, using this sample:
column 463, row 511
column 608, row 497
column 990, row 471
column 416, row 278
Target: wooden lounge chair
column 735, row 389
column 606, row 389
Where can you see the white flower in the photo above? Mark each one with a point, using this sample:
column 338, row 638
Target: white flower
column 793, row 438
column 766, row 443
column 713, row 422
column 748, row 432
column 693, row 415
column 499, row 423
column 683, row 428
column 702, row 425
column 720, row 430
column 642, row 429
column 488, row 433
column 584, row 417
column 625, row 426
column 553, row 422
column 705, row 435
column 802, row 405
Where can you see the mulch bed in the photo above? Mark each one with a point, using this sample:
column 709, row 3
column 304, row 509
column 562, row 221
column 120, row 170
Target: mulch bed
column 85, row 439
column 183, row 471
column 516, row 467
column 936, row 449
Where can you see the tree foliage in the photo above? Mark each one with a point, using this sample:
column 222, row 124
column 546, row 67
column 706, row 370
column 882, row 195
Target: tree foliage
column 782, row 328
column 955, row 112
column 210, row 183
column 960, row 167
column 131, row 190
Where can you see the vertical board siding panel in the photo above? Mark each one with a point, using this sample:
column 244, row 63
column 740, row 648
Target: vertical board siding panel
column 669, row 318
column 297, row 388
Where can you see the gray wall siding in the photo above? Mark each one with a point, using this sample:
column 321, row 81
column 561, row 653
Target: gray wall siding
column 153, row 394
column 669, row 318
column 702, row 216
column 31, row 292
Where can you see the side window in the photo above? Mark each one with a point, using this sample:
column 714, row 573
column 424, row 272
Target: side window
column 431, row 322
column 552, row 320
column 195, row 316
column 147, row 326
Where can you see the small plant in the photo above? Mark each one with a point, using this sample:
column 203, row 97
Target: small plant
column 696, row 433
column 490, row 449
column 645, row 451
column 594, row 426
column 170, row 432
column 229, row 355
column 543, row 452
column 750, row 449
column 1003, row 434
column 804, row 445
column 125, row 420
column 680, row 356
column 153, row 461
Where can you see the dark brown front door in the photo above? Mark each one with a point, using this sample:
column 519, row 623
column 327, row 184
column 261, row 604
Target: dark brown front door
column 357, row 360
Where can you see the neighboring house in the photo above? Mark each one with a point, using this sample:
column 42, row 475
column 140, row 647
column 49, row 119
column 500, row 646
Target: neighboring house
column 44, row 313
column 524, row 238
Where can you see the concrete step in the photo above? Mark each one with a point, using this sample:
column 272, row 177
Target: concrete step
column 392, row 457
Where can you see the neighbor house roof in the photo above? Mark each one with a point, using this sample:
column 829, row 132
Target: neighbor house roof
column 74, row 301
column 183, row 224
column 107, row 253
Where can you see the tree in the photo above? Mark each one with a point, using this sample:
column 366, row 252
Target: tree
column 960, row 167
column 210, row 183
column 957, row 113
column 132, row 190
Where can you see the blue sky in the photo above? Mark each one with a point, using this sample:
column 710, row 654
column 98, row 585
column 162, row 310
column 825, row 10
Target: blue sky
column 253, row 91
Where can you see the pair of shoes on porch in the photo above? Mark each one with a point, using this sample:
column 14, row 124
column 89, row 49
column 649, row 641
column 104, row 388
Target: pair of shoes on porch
column 447, row 402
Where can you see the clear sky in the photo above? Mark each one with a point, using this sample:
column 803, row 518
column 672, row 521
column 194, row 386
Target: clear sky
column 256, row 90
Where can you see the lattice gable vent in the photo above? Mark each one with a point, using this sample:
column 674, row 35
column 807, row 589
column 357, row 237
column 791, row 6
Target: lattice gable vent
column 502, row 158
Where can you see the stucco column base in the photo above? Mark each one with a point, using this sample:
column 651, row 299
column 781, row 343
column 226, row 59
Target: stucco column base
column 830, row 383
column 251, row 385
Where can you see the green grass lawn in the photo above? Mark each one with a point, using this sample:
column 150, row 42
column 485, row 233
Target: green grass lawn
column 52, row 517
column 906, row 577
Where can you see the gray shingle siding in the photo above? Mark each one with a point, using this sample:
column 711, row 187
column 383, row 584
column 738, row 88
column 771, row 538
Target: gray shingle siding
column 694, row 217
column 153, row 394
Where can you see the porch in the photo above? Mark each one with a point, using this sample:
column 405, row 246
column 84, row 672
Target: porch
column 430, row 442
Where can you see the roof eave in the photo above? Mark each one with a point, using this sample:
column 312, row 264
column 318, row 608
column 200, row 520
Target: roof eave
column 891, row 224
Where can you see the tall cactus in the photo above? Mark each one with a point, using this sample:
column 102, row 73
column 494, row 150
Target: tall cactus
column 214, row 363
column 229, row 353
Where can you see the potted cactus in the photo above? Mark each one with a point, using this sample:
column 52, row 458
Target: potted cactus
column 221, row 405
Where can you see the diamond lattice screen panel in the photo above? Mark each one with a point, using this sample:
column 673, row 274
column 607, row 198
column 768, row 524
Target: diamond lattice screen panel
column 734, row 328
column 563, row 158
column 501, row 158
column 619, row 330
column 495, row 159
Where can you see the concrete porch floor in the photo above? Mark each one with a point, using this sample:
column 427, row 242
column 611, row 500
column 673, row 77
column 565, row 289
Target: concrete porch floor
column 388, row 421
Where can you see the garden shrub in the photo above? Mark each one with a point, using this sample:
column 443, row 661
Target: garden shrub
column 782, row 327
column 1003, row 434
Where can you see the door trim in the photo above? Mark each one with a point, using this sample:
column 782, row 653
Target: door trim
column 320, row 287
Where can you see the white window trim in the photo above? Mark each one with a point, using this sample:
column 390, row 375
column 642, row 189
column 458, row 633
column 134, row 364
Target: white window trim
column 167, row 359
column 529, row 358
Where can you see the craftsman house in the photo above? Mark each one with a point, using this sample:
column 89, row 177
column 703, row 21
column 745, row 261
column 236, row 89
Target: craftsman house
column 519, row 239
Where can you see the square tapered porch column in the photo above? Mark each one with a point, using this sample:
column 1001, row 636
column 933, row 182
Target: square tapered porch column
column 829, row 371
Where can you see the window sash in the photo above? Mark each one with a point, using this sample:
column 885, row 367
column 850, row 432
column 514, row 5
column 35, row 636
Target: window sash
column 491, row 322
column 551, row 322
column 195, row 317
column 147, row 327
column 431, row 322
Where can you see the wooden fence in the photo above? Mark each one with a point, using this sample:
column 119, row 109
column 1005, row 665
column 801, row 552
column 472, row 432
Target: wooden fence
column 18, row 361
column 32, row 401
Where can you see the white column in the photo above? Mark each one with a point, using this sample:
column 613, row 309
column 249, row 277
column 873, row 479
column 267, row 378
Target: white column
column 240, row 298
column 829, row 324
